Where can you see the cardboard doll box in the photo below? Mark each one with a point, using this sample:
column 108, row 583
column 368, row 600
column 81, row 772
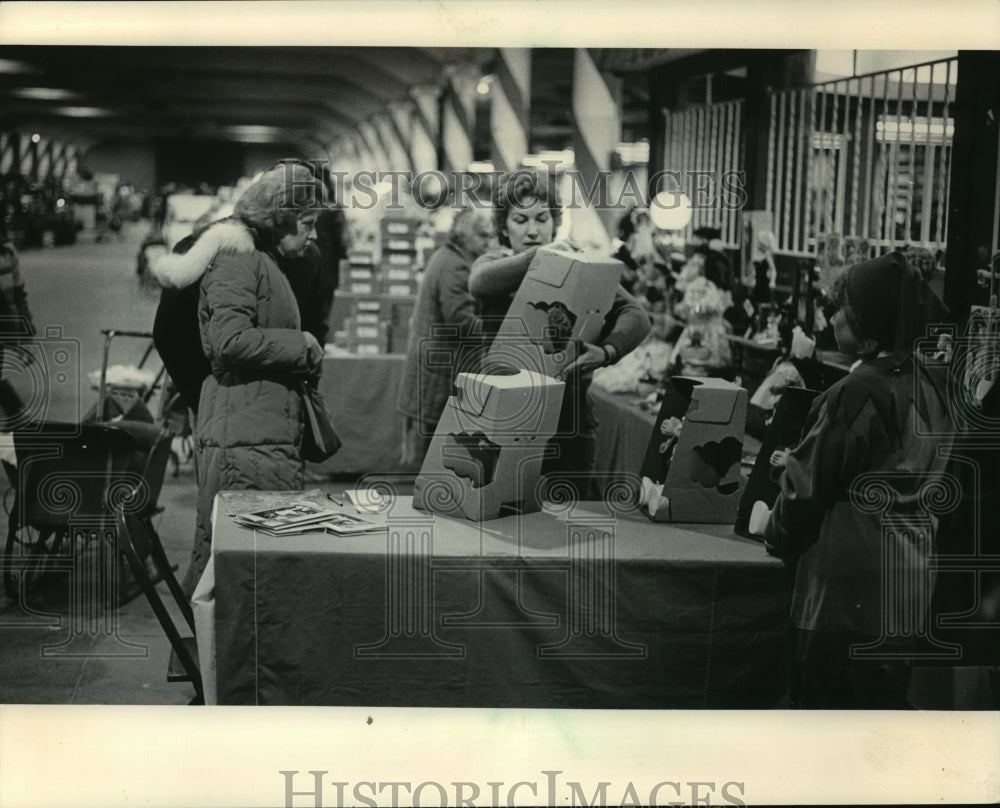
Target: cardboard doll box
column 487, row 451
column 698, row 462
column 784, row 432
column 562, row 300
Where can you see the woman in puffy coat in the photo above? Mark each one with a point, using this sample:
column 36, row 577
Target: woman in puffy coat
column 249, row 427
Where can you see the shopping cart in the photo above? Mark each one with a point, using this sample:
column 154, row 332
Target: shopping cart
column 124, row 391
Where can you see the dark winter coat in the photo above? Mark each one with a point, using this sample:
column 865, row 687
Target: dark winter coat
column 249, row 429
column 175, row 327
column 887, row 420
column 313, row 288
column 444, row 336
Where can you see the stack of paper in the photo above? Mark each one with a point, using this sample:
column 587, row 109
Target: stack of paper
column 300, row 517
column 346, row 525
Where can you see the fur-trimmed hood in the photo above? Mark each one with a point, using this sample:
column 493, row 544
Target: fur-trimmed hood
column 177, row 270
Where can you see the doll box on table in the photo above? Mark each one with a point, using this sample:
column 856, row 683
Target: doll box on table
column 562, row 300
column 698, row 465
column 784, row 432
column 489, row 444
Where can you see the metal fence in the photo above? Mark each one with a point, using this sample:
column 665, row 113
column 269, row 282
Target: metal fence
column 866, row 157
column 704, row 149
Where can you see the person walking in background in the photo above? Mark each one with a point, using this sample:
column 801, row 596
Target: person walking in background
column 445, row 324
column 249, row 427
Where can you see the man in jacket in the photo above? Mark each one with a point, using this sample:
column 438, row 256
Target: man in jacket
column 444, row 332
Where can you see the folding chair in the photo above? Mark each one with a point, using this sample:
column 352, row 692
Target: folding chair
column 65, row 473
column 150, row 457
column 137, row 545
column 152, row 453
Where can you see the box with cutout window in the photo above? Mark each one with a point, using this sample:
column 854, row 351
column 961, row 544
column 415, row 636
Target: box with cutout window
column 486, row 454
column 691, row 470
column 561, row 302
column 783, row 432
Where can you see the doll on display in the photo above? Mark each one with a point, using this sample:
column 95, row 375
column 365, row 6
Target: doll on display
column 634, row 247
column 765, row 272
column 671, row 430
column 702, row 345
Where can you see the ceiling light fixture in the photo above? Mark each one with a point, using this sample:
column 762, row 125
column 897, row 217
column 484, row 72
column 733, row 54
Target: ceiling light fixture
column 82, row 112
column 13, row 66
column 43, row 94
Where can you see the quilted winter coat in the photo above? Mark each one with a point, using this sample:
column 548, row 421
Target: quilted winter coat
column 249, row 429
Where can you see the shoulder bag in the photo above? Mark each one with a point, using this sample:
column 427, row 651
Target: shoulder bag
column 320, row 440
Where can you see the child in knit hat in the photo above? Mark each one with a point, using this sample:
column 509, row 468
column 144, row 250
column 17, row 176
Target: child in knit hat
column 861, row 591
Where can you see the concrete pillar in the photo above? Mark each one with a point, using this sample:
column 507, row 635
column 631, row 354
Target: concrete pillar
column 401, row 116
column 43, row 166
column 458, row 116
column 509, row 107
column 71, row 162
column 767, row 72
column 29, row 157
column 425, row 128
column 8, row 146
column 392, row 143
column 597, row 116
column 376, row 157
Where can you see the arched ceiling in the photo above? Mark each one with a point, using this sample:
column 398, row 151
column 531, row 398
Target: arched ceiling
column 288, row 95
column 295, row 96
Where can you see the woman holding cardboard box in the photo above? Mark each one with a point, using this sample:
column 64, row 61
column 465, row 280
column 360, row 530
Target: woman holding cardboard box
column 526, row 216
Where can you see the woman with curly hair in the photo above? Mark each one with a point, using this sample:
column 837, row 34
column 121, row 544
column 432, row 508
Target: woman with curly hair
column 526, row 216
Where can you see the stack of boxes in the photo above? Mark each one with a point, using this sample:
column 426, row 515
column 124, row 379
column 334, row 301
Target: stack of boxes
column 489, row 445
column 357, row 273
column 691, row 471
column 378, row 296
column 366, row 329
column 400, row 312
column 399, row 257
